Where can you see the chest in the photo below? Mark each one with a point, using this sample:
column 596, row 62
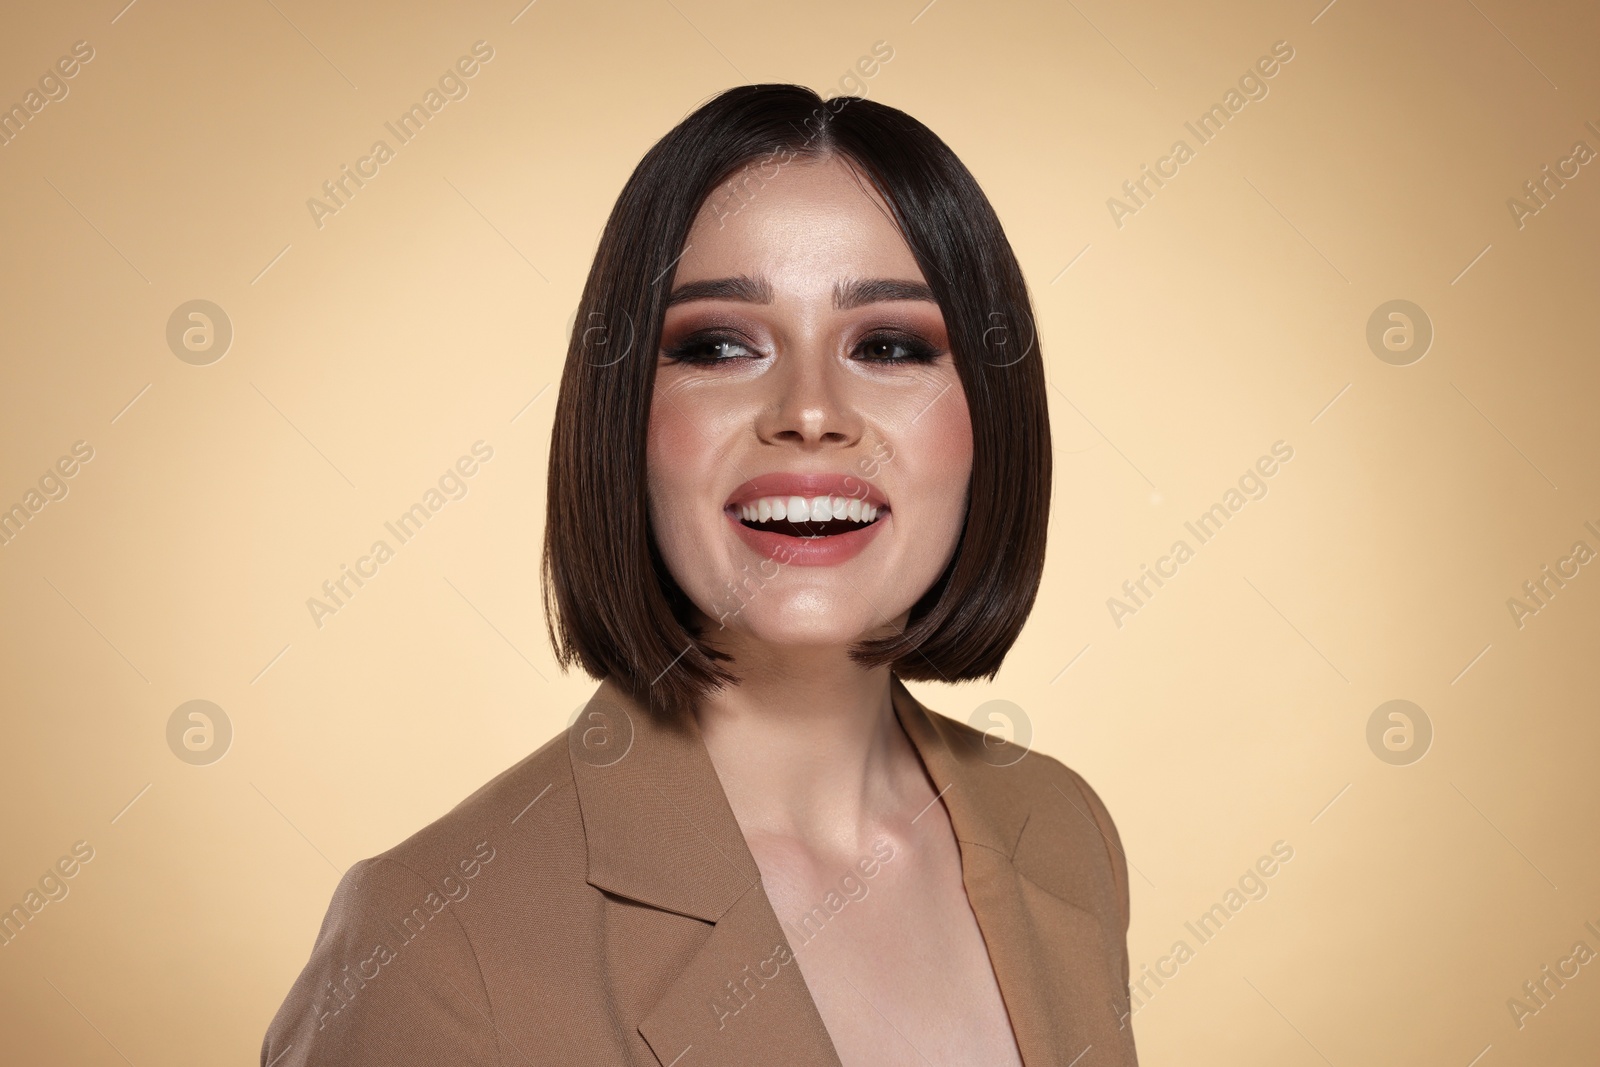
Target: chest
column 891, row 952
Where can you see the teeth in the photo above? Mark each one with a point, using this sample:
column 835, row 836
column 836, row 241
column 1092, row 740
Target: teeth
column 808, row 509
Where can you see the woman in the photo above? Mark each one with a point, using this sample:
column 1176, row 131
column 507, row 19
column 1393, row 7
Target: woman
column 801, row 453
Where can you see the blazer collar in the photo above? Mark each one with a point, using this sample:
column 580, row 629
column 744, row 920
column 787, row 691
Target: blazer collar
column 657, row 821
column 659, row 827
column 986, row 807
column 660, row 832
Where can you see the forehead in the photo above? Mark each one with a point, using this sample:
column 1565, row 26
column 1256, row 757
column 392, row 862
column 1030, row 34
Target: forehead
column 806, row 225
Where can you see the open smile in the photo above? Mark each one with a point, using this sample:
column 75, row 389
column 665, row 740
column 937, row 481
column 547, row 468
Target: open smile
column 820, row 521
column 798, row 516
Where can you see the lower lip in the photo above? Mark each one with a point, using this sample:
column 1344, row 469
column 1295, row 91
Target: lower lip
column 808, row 551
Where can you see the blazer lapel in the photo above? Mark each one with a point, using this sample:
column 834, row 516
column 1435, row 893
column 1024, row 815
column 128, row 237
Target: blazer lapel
column 660, row 832
column 741, row 1000
column 1048, row 953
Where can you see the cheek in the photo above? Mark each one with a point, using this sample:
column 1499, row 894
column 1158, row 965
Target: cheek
column 941, row 439
column 681, row 464
column 674, row 448
column 938, row 469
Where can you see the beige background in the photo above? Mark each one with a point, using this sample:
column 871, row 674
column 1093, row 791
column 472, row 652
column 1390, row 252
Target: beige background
column 1229, row 313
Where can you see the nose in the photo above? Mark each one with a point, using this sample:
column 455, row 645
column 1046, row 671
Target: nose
column 811, row 402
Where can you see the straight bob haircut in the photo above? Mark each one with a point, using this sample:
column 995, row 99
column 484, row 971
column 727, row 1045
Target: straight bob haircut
column 610, row 603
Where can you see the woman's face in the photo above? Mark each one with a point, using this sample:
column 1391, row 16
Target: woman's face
column 802, row 356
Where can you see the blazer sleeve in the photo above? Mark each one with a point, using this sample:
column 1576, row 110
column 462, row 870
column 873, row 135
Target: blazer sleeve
column 392, row 981
column 1118, row 860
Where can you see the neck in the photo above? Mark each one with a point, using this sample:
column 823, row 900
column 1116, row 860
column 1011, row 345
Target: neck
column 808, row 746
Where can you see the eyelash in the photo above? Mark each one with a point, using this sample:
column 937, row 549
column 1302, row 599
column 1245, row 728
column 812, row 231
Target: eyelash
column 919, row 351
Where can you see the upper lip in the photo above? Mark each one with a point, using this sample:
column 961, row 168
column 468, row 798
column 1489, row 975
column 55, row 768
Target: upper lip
column 783, row 483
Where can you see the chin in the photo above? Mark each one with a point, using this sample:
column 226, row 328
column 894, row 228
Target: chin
column 799, row 626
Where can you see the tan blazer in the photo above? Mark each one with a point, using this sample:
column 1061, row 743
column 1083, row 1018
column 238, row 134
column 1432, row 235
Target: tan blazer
column 597, row 904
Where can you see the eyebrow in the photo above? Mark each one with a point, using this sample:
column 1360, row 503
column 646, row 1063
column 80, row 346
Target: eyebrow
column 852, row 294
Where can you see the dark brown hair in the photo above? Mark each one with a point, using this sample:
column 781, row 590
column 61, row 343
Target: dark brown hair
column 611, row 605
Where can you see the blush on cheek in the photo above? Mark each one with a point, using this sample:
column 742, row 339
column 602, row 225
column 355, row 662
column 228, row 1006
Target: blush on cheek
column 940, row 466
column 680, row 464
column 670, row 448
column 944, row 431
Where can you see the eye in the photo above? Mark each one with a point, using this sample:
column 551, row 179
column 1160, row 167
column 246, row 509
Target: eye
column 708, row 348
column 882, row 348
